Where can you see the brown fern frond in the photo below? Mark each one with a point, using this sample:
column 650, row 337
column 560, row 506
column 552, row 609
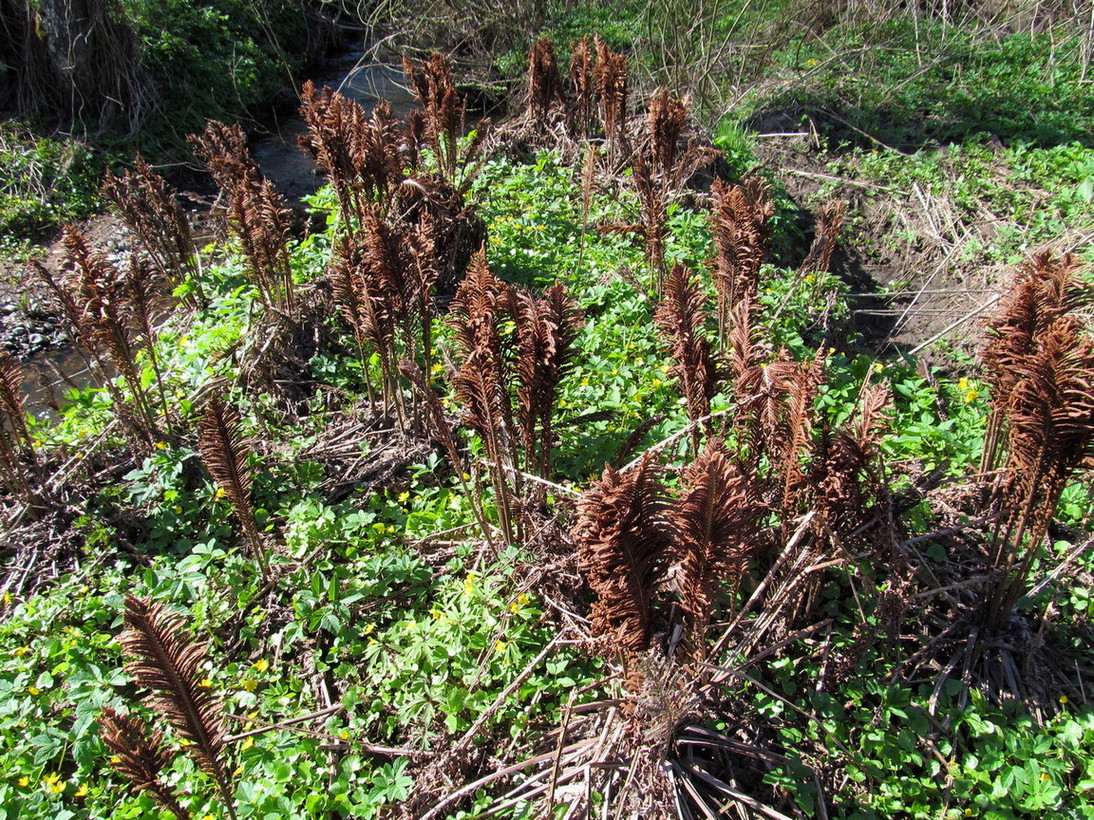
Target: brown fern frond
column 544, row 82
column 11, row 400
column 716, row 529
column 681, row 319
column 139, row 757
column 653, row 197
column 583, row 82
column 547, row 329
column 223, row 149
column 611, row 87
column 258, row 217
column 739, row 224
column 151, row 211
column 667, row 118
column 168, row 662
column 828, row 228
column 225, row 454
column 623, row 550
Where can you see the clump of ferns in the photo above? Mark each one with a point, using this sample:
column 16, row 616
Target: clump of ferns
column 441, row 124
column 110, row 317
column 513, row 349
column 254, row 214
column 1038, row 359
column 168, row 665
column 151, row 210
column 362, row 156
column 384, row 278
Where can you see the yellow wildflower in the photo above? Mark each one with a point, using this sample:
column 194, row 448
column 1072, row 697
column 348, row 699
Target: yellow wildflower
column 220, row 493
column 205, row 683
column 499, row 646
column 247, row 743
column 261, row 665
column 250, row 685
column 1063, row 698
column 82, row 791
column 24, row 781
column 34, row 690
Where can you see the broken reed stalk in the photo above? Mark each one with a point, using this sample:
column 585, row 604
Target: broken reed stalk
column 168, row 663
column 225, row 454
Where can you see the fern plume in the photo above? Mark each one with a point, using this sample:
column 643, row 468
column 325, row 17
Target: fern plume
column 681, row 319
column 583, row 81
column 168, row 663
column 225, row 452
column 716, row 527
column 624, row 550
column 139, row 757
column 544, row 81
column 739, row 223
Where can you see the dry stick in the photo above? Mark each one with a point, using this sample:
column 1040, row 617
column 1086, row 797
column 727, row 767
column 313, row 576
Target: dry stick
column 955, row 324
column 284, row 724
column 531, row 477
column 471, row 788
column 683, row 431
column 783, row 557
column 1061, row 566
column 469, row 735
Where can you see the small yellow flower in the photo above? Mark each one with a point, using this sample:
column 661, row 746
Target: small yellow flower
column 205, row 683
column 261, row 665
column 247, row 743
column 220, row 493
column 160, row 445
column 1063, row 698
column 250, row 685
column 178, row 510
column 370, row 629
column 114, row 760
column 53, row 783
column 404, row 497
column 879, row 367
column 34, row 690
column 499, row 646
column 24, row 781
column 8, row 599
column 344, row 734
column 82, row 791
column 22, row 650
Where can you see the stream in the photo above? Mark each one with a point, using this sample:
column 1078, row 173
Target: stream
column 50, row 373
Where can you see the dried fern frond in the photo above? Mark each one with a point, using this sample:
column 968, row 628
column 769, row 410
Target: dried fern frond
column 623, row 549
column 716, row 528
column 225, row 453
column 681, row 319
column 258, row 217
column 667, row 118
column 739, row 224
column 611, row 87
column 547, row 330
column 168, row 662
column 583, row 82
column 139, row 757
column 544, row 81
column 826, row 235
column 149, row 208
column 11, row 400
